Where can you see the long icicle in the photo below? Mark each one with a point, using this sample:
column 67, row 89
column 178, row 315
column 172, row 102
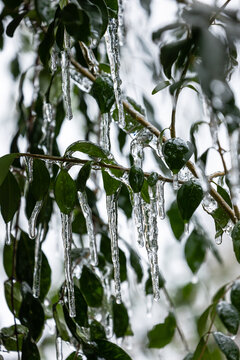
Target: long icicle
column 87, row 212
column 105, row 131
column 67, row 242
column 112, row 45
column 37, row 263
column 65, row 65
column 160, row 197
column 33, row 219
column 112, row 211
column 29, row 165
column 121, row 32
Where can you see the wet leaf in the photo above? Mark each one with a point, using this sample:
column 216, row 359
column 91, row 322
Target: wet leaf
column 236, row 240
column 10, row 196
column 162, row 334
column 176, row 153
column 235, row 294
column 89, row 148
column 83, row 176
column 228, row 347
column 136, row 178
column 110, row 184
column 5, row 163
column 65, row 192
column 41, row 179
column 189, row 197
column 110, row 351
column 229, row 316
column 120, row 319
column 176, row 222
column 81, row 308
column 195, row 250
column 91, row 287
column 162, row 85
column 97, row 331
column 29, row 349
column 8, row 337
column 103, row 93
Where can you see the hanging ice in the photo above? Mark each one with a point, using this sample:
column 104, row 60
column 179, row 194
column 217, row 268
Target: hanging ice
column 112, row 44
column 87, row 212
column 54, row 60
column 234, row 172
column 175, row 182
column 80, row 81
column 59, row 353
column 90, row 59
column 104, row 131
column 65, row 65
column 29, row 165
column 67, row 242
column 112, row 212
column 161, row 201
column 8, row 233
column 121, row 22
column 32, row 231
column 138, row 217
column 37, row 263
column 48, row 128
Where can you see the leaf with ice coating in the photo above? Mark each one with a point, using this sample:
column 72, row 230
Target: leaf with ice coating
column 136, row 178
column 176, row 153
column 195, row 250
column 76, row 22
column 110, row 184
column 83, row 176
column 10, row 196
column 89, row 148
column 5, row 163
column 120, row 319
column 41, row 179
column 91, row 287
column 227, row 346
column 229, row 316
column 189, row 197
column 103, row 92
column 46, row 44
column 65, row 192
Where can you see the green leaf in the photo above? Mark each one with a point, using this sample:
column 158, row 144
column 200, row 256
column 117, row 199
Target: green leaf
column 81, row 308
column 41, row 179
column 112, row 6
column 229, row 316
column 8, row 337
column 136, row 178
column 10, row 196
column 162, row 85
column 124, row 201
column 12, row 26
column 76, row 22
column 152, row 179
column 120, row 319
column 46, row 45
column 29, row 349
column 162, row 334
column 202, row 321
column 89, row 148
column 131, row 124
column 110, row 351
column 176, row 222
column 83, row 176
column 61, row 328
column 144, row 192
column 236, row 240
column 44, row 10
column 135, row 262
column 65, row 192
column 74, row 356
column 101, row 5
column 103, row 93
column 189, row 197
column 176, row 153
column 224, row 194
column 110, row 184
column 193, row 130
column 97, row 331
column 235, row 294
column 5, row 163
column 7, row 257
column 91, row 287
column 195, row 250
column 17, row 296
column 228, row 347
column 31, row 314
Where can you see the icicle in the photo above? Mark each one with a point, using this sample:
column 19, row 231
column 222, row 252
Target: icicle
column 87, row 212
column 67, row 240
column 218, row 240
column 104, row 131
column 112, row 44
column 8, row 233
column 59, row 353
column 54, row 60
column 112, row 212
column 138, row 217
column 161, row 201
column 48, row 128
column 149, row 305
column 80, row 81
column 175, row 182
column 33, row 219
column 29, row 165
column 90, row 59
column 209, row 204
column 121, row 31
column 234, row 172
column 186, row 229
column 214, row 130
column 65, row 65
column 37, row 263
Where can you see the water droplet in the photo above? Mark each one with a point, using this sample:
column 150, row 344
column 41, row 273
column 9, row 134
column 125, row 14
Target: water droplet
column 218, row 240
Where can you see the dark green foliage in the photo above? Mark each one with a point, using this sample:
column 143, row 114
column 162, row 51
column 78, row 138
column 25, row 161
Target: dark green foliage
column 189, row 197
column 89, row 148
column 9, row 197
column 235, row 294
column 91, row 287
column 136, row 178
column 120, row 319
column 29, row 349
column 229, row 316
column 97, row 331
column 5, row 163
column 8, row 338
column 65, row 192
column 110, row 184
column 83, row 176
column 102, row 91
column 236, row 240
column 195, row 250
column 41, row 179
column 176, row 153
column 162, row 334
column 227, row 346
column 81, row 308
column 176, row 221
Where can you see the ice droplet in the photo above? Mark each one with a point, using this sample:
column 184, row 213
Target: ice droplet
column 33, row 219
column 112, row 45
column 65, row 66
column 112, row 211
column 37, row 263
column 87, row 212
column 29, row 168
column 218, row 240
column 67, row 242
column 105, row 131
column 8, row 233
column 175, row 182
column 80, row 81
column 161, row 201
column 59, row 353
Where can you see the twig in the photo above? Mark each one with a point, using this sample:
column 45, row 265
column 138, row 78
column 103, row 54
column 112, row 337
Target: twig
column 214, row 17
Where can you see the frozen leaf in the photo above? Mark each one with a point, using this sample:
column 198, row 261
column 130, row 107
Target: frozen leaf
column 89, row 148
column 189, row 197
column 195, row 250
column 120, row 319
column 228, row 347
column 136, row 178
column 5, row 163
column 235, row 294
column 236, row 240
column 9, row 197
column 229, row 316
column 83, row 176
column 65, row 192
column 162, row 85
column 91, row 287
column 176, row 153
column 176, row 222
column 102, row 90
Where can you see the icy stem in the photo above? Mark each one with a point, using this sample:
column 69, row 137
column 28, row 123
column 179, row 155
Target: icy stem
column 65, row 65
column 32, row 231
column 67, row 242
column 8, row 233
column 175, row 182
column 111, row 202
column 87, row 212
column 105, row 131
column 59, row 354
column 37, row 263
column 112, row 44
column 234, row 172
column 160, row 199
column 29, row 165
column 80, row 81
column 121, row 32
column 90, row 59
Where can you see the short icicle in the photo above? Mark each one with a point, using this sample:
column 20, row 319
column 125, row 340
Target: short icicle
column 112, row 45
column 29, row 165
column 121, row 32
column 37, row 263
column 65, row 65
column 8, row 233
column 161, row 201
column 59, row 353
column 175, row 182
column 105, row 131
column 112, row 212
column 87, row 212
column 138, row 217
column 80, row 81
column 33, row 219
column 67, row 242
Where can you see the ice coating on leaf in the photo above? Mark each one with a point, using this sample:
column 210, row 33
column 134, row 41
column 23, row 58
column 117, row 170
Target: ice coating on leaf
column 8, row 233
column 160, row 199
column 112, row 212
column 90, row 59
column 175, row 182
column 29, row 165
column 37, row 263
column 121, row 32
column 67, row 242
column 112, row 45
column 80, row 81
column 65, row 66
column 105, row 131
column 234, row 172
column 32, row 230
column 87, row 212
column 59, row 353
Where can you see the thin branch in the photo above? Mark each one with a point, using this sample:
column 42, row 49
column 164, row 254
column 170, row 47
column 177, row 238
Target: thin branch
column 214, row 17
